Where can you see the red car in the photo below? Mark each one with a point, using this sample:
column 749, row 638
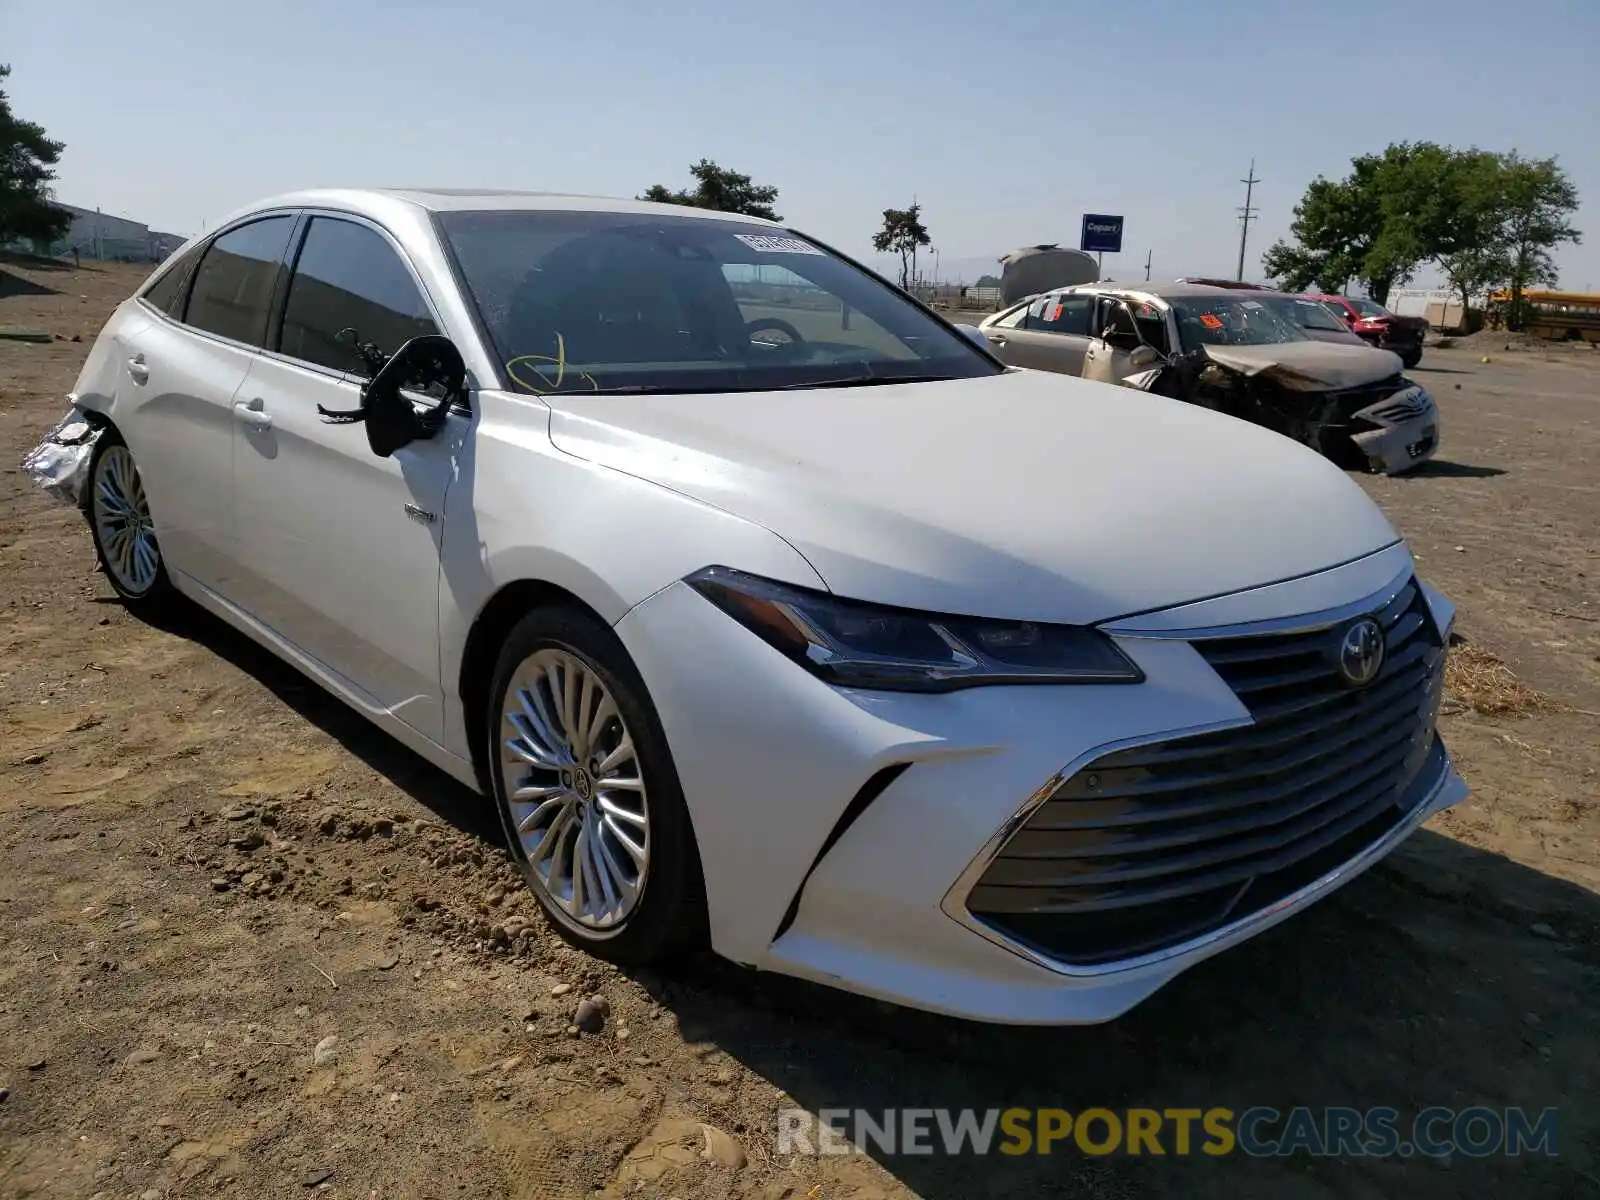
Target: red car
column 1372, row 322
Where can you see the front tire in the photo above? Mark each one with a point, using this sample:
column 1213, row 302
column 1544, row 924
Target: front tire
column 123, row 530
column 1411, row 358
column 587, row 793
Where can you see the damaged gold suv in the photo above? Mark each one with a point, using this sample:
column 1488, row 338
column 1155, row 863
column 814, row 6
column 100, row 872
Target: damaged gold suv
column 1237, row 352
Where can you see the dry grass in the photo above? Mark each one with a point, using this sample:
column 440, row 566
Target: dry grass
column 1476, row 679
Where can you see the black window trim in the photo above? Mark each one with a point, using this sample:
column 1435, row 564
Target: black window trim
column 198, row 250
column 280, row 294
column 280, row 302
column 204, row 248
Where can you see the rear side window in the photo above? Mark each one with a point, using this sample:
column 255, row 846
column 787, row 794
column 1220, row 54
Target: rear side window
column 168, row 291
column 349, row 287
column 1061, row 314
column 233, row 286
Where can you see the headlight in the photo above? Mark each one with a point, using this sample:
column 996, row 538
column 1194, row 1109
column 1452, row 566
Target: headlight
column 860, row 645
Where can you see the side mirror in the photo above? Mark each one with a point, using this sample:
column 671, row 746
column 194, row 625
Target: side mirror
column 428, row 361
column 1143, row 356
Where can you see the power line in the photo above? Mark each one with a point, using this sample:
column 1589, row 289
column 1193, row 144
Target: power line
column 1245, row 214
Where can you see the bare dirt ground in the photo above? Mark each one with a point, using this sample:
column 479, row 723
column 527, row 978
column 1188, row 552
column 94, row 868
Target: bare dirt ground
column 250, row 947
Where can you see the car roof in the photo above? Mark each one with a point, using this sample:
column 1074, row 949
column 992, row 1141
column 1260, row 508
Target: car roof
column 1159, row 291
column 445, row 199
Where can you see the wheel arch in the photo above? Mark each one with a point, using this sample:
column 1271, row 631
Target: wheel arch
column 488, row 631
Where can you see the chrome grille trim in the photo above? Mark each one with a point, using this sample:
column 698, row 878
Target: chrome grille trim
column 1300, row 805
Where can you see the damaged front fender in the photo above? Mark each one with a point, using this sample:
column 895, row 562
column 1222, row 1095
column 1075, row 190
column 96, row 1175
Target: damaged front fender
column 60, row 463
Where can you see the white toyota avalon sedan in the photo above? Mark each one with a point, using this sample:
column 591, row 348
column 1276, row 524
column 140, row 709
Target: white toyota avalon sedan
column 770, row 610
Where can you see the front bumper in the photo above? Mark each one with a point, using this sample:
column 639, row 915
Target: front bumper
column 1399, row 433
column 804, row 879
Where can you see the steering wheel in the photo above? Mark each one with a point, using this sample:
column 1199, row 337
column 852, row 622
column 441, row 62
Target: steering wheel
column 793, row 342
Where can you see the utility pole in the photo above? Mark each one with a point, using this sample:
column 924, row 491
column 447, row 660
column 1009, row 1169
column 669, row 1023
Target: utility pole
column 1147, row 255
column 1245, row 214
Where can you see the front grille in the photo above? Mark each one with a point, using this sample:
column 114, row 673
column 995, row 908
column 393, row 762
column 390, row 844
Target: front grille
column 1349, row 401
column 1150, row 846
column 1415, row 405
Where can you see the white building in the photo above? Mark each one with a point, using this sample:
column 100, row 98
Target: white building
column 96, row 234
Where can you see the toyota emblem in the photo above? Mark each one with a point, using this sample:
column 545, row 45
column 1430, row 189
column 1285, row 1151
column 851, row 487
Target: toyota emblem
column 1361, row 652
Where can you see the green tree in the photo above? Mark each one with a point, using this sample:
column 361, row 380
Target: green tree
column 1445, row 205
column 1344, row 230
column 1537, row 200
column 902, row 233
column 1485, row 220
column 27, row 159
column 719, row 190
column 987, row 281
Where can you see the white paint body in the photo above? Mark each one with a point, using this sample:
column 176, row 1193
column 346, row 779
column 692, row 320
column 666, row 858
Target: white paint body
column 1020, row 495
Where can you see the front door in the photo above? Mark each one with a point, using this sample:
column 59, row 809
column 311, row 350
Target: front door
column 1108, row 355
column 340, row 548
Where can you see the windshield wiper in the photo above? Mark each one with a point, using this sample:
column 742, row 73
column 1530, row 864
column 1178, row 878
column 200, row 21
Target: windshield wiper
column 667, row 389
column 863, row 381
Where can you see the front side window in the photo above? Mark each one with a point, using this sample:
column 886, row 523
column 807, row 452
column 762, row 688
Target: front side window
column 1151, row 321
column 170, row 289
column 642, row 302
column 349, row 288
column 233, row 286
column 1061, row 314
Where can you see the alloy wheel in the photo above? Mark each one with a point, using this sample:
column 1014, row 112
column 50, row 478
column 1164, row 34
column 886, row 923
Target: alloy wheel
column 122, row 521
column 575, row 790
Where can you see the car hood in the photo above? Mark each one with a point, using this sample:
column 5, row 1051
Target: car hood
column 1027, row 495
column 1310, row 366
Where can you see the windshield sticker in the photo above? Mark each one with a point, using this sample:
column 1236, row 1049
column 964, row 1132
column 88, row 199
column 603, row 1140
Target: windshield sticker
column 1055, row 313
column 1211, row 320
column 1251, row 304
column 767, row 244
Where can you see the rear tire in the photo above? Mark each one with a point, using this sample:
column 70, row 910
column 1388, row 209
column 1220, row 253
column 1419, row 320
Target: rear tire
column 124, row 532
column 587, row 792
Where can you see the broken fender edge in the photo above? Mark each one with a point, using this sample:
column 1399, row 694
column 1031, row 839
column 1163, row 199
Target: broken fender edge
column 60, row 463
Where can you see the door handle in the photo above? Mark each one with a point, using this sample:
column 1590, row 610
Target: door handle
column 249, row 411
column 137, row 369
column 995, row 340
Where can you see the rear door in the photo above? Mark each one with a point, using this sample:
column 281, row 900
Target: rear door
column 340, row 548
column 1051, row 335
column 182, row 365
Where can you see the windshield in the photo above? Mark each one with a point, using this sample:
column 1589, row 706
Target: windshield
column 1308, row 314
column 1231, row 321
column 629, row 302
column 1369, row 308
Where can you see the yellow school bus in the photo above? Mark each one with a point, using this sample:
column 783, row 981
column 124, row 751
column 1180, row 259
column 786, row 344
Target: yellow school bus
column 1558, row 316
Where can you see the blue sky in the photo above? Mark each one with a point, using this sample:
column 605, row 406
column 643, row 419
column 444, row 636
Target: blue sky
column 1006, row 119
